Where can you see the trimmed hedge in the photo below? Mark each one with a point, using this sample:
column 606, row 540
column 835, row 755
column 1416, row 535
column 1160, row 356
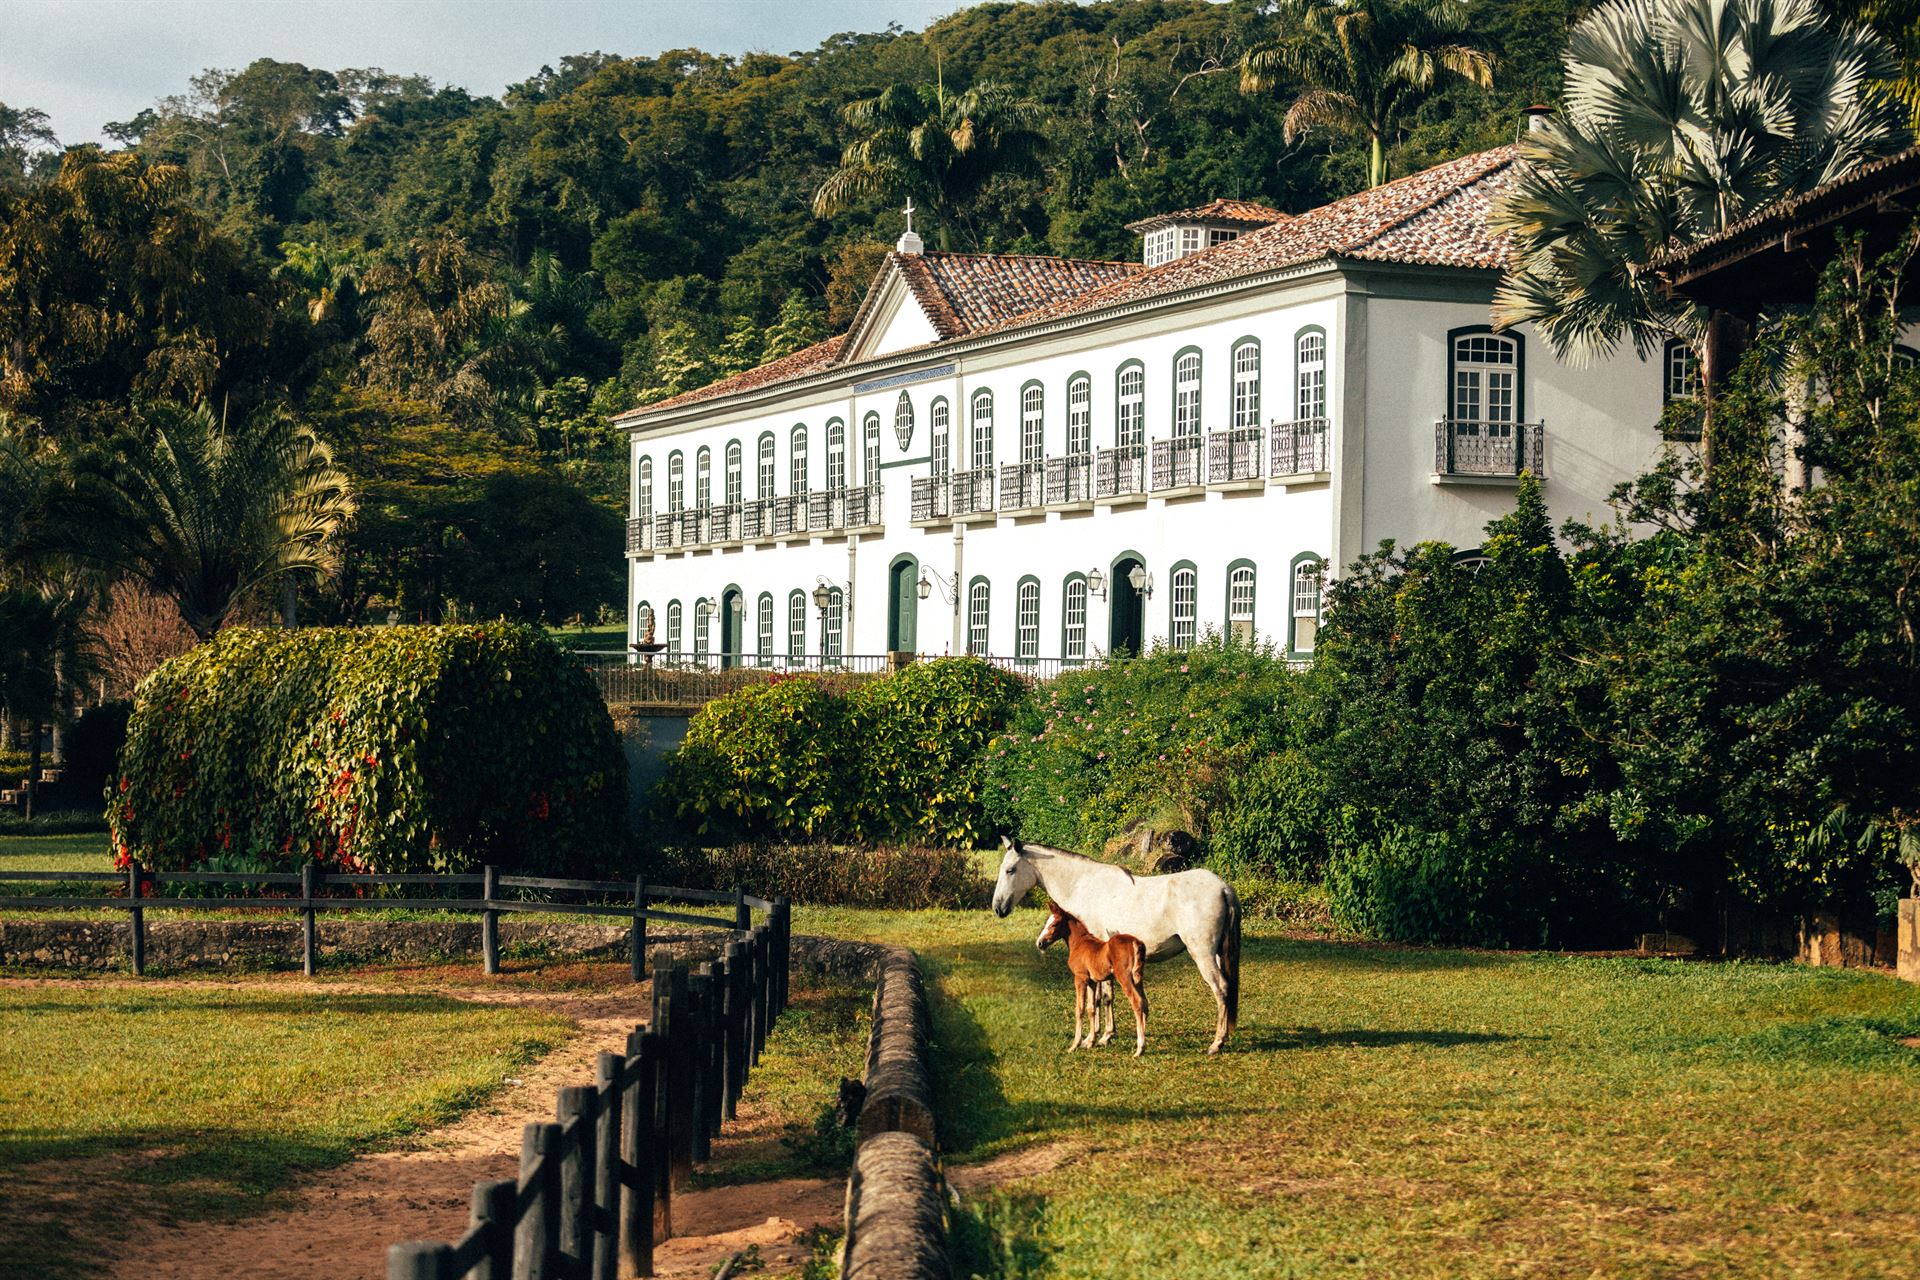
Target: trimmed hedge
column 923, row 734
column 404, row 749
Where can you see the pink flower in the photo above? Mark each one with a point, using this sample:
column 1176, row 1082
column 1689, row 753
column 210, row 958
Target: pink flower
column 1183, row 668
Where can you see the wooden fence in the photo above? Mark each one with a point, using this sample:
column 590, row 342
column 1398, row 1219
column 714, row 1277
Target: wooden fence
column 595, row 1191
column 310, row 900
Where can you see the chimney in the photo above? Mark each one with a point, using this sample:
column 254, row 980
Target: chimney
column 1536, row 117
column 908, row 241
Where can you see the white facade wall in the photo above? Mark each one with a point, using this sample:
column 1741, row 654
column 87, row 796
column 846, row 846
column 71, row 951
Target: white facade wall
column 1387, row 376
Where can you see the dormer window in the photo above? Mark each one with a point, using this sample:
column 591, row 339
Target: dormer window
column 1169, row 236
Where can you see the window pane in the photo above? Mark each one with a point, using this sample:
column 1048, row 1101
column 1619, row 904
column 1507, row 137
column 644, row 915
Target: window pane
column 765, row 648
column 940, row 462
column 1246, row 385
column 1079, row 416
column 797, row 466
column 1074, row 634
column 766, row 467
column 977, row 620
column 1027, row 642
column 796, row 625
column 982, row 431
column 1186, row 397
column 1130, row 427
column 1032, row 426
column 1310, row 379
column 870, row 451
column 1185, row 593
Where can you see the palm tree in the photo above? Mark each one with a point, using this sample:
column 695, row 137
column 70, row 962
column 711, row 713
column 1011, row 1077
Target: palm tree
column 942, row 149
column 1366, row 64
column 200, row 511
column 1682, row 117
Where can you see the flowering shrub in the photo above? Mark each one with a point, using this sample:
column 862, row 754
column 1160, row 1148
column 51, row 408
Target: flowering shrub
column 1161, row 737
column 922, row 735
column 406, row 749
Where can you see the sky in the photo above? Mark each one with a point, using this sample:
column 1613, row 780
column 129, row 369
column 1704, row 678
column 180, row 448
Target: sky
column 88, row 62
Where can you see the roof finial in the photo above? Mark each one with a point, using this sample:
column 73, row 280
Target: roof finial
column 909, row 242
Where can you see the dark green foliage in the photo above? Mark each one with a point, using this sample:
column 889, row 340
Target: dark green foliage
column 923, row 734
column 906, row 877
column 1278, row 820
column 1160, row 739
column 1439, row 889
column 396, row 750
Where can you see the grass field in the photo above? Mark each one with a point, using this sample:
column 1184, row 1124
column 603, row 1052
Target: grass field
column 1428, row 1113
column 86, row 851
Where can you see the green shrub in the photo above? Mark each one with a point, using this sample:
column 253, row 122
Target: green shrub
column 404, row 749
column 772, row 760
column 1158, row 739
column 1279, row 820
column 923, row 735
column 1431, row 888
column 902, row 877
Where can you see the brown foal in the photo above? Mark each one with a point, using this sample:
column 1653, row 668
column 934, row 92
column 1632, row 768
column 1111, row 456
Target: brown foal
column 1096, row 967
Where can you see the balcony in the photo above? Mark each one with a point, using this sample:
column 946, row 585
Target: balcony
column 1069, row 480
column 1233, row 457
column 1023, row 486
column 1298, row 450
column 1176, row 465
column 1120, row 474
column 1472, row 452
column 843, row 510
column 756, row 519
column 639, row 536
column 932, row 500
column 666, row 531
column 973, row 493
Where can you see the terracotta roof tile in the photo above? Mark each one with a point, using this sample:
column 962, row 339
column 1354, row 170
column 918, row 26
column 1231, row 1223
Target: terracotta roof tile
column 1435, row 217
column 1242, row 211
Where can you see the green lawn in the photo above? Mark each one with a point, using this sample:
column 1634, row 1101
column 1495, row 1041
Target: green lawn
column 183, row 1101
column 1428, row 1113
column 86, row 851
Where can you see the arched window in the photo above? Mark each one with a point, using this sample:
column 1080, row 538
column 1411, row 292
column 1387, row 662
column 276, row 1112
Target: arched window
column 702, row 614
column 643, row 489
column 676, row 483
column 1073, row 619
column 1309, row 375
column 797, row 625
column 836, row 455
column 643, row 622
column 1079, row 416
column 765, row 629
column 1486, row 379
column 1186, row 395
column 981, row 432
column 832, row 642
column 673, row 630
column 1130, row 413
column 870, row 451
column 1026, row 620
column 1246, row 385
column 1240, row 602
column 733, row 472
column 903, row 422
column 940, row 457
column 797, row 462
column 977, row 602
column 1185, row 582
column 1033, row 425
column 1307, row 577
column 765, row 489
column 1680, row 372
column 703, row 478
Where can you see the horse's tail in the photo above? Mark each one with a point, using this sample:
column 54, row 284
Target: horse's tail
column 1229, row 957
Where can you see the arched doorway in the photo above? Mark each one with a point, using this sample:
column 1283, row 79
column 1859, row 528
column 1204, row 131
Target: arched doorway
column 1126, row 608
column 733, row 613
column 903, row 605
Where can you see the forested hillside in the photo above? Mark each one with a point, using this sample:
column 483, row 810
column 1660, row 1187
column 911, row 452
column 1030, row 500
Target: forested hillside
column 455, row 290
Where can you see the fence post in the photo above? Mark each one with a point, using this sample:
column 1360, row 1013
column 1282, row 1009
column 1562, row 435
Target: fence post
column 742, row 917
column 604, row 1229
column 637, row 947
column 783, row 969
column 638, row 1203
column 699, row 992
column 732, row 964
column 680, row 1078
column 309, row 878
column 420, row 1260
column 493, row 1210
column 137, row 921
column 490, row 920
column 574, row 1110
column 655, row 1047
column 749, row 1050
column 763, row 974
column 536, row 1240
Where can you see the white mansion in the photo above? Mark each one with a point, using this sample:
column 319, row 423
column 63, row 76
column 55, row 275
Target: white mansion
column 1039, row 458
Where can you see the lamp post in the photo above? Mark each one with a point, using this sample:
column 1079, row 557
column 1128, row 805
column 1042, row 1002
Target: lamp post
column 1142, row 581
column 1096, row 583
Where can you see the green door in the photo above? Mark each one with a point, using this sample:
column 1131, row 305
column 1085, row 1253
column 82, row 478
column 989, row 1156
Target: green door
column 732, row 617
column 903, row 608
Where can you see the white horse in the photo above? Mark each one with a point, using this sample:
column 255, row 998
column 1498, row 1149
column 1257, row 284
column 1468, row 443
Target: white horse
column 1192, row 911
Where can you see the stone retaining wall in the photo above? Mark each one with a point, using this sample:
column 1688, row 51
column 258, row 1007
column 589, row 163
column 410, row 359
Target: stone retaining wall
column 896, row 1195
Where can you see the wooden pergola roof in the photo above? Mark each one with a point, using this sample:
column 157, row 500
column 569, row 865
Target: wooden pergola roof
column 1776, row 255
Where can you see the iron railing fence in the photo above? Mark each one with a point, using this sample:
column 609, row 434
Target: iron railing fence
column 1120, row 472
column 931, row 499
column 1176, row 463
column 1298, row 448
column 1468, row 447
column 639, row 535
column 1233, row 455
column 973, row 492
column 1070, row 479
column 1023, row 485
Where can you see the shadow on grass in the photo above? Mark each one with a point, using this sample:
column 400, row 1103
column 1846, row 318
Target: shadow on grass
column 1278, row 1038
column 1001, row 1236
column 973, row 1108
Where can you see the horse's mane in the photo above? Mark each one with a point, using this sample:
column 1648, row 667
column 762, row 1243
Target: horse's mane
column 1027, row 846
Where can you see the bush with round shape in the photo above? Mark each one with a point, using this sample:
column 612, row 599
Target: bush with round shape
column 768, row 761
column 404, row 749
column 922, row 735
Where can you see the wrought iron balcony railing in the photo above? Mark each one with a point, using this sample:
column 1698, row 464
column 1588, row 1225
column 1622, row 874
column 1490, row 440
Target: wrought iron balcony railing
column 932, row 498
column 1298, row 448
column 1023, row 485
column 1120, row 472
column 838, row 509
column 666, row 529
column 973, row 492
column 639, row 535
column 790, row 514
column 756, row 518
column 1464, row 447
column 1176, row 463
column 1070, row 479
column 1233, row 455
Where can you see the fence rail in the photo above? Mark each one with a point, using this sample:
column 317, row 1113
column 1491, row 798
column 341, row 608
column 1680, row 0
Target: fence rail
column 140, row 884
column 594, row 1196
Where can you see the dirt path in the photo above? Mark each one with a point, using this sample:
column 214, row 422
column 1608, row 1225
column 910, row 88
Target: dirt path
column 339, row 1224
